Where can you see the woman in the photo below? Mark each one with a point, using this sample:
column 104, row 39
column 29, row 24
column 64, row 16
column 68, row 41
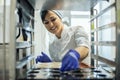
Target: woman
column 71, row 44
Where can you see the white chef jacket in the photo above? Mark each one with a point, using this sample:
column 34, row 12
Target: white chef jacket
column 71, row 37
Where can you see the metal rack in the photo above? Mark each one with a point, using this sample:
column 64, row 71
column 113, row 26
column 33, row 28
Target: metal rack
column 24, row 47
column 96, row 44
column 21, row 49
column 16, row 54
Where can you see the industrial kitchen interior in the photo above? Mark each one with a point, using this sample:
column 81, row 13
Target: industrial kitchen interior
column 24, row 36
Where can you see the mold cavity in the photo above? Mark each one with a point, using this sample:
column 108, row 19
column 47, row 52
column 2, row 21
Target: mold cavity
column 97, row 71
column 34, row 72
column 102, row 75
column 36, row 68
column 31, row 75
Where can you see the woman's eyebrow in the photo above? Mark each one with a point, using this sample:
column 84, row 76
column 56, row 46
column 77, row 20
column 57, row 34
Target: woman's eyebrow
column 52, row 16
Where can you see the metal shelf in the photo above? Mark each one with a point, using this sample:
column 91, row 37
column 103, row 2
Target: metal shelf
column 104, row 43
column 28, row 29
column 102, row 59
column 103, row 11
column 24, row 61
column 110, row 25
column 24, row 44
column 25, row 28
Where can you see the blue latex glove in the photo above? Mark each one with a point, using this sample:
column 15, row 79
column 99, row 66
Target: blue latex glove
column 43, row 58
column 70, row 61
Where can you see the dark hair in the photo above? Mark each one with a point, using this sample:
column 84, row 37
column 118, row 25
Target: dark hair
column 43, row 14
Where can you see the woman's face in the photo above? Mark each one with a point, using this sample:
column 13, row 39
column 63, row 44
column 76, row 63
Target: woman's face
column 53, row 23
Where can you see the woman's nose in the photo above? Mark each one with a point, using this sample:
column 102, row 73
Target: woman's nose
column 51, row 24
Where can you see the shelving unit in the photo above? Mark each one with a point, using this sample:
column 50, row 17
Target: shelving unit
column 16, row 39
column 101, row 40
column 24, row 39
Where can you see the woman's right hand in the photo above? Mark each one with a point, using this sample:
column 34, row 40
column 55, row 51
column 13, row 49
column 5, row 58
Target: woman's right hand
column 43, row 58
column 70, row 61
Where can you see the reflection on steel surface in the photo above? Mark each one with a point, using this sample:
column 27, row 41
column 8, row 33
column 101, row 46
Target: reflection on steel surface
column 52, row 71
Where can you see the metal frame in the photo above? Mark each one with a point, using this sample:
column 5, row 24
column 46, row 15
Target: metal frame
column 118, row 39
column 12, row 49
column 4, row 46
column 96, row 38
column 110, row 43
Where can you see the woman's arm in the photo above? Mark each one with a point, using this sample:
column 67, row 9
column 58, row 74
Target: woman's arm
column 83, row 51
